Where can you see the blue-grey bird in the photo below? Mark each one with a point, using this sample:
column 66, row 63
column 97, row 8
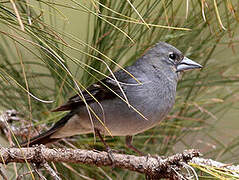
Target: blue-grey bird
column 136, row 102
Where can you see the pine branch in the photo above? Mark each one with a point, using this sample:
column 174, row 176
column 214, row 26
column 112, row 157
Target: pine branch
column 153, row 167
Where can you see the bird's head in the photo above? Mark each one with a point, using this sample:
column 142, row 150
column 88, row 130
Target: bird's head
column 167, row 57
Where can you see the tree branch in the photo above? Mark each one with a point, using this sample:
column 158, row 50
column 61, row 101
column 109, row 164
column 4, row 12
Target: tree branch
column 151, row 166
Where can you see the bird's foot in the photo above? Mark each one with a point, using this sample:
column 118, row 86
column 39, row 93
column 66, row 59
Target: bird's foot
column 110, row 155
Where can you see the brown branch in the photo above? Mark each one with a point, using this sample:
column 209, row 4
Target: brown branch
column 151, row 166
column 154, row 168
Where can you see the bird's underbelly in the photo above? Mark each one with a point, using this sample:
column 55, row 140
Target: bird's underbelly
column 124, row 121
column 128, row 126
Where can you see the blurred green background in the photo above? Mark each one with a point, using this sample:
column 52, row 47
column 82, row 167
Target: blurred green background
column 47, row 47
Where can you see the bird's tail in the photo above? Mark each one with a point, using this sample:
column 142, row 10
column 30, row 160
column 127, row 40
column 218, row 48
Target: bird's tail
column 45, row 137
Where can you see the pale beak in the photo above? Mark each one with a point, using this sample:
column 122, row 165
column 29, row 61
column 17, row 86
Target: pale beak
column 187, row 64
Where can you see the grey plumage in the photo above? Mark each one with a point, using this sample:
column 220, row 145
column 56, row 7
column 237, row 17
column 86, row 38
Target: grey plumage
column 154, row 97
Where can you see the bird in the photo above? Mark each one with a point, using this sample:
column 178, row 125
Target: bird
column 128, row 102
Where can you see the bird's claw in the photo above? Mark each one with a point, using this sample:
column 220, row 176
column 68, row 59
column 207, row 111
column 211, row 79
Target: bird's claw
column 111, row 157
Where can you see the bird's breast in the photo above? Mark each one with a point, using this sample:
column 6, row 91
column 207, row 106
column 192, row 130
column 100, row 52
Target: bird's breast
column 148, row 105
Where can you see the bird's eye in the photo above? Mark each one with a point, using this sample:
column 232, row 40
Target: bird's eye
column 172, row 56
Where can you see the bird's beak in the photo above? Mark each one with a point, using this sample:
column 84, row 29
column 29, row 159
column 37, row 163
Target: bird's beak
column 187, row 64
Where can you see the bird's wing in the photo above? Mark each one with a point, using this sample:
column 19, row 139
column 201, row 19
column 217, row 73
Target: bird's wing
column 99, row 91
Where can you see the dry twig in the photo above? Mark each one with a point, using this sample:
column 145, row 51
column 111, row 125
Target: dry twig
column 151, row 166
